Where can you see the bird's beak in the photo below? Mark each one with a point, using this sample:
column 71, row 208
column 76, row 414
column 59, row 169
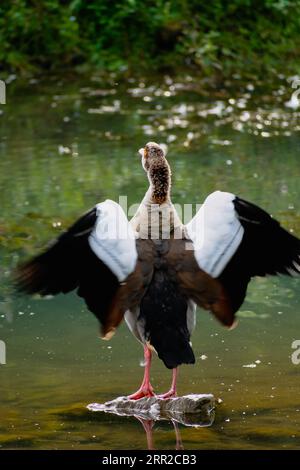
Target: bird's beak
column 141, row 152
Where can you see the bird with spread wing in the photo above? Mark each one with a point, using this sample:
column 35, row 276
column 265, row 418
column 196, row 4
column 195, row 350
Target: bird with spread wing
column 153, row 270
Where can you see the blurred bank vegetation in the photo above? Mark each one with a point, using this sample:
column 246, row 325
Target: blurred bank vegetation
column 217, row 37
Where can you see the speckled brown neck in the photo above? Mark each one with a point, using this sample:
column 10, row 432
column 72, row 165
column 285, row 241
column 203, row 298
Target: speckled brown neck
column 159, row 174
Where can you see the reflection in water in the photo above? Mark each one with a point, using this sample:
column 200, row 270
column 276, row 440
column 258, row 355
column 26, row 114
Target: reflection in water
column 179, row 444
column 148, row 426
column 194, row 411
column 65, row 145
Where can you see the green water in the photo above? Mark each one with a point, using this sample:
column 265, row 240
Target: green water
column 239, row 137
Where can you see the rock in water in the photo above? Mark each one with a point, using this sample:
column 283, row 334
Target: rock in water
column 190, row 410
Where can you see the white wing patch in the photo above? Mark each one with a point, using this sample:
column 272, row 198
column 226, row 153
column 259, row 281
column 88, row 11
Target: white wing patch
column 215, row 232
column 113, row 239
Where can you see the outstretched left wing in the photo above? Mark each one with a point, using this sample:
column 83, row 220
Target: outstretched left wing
column 95, row 256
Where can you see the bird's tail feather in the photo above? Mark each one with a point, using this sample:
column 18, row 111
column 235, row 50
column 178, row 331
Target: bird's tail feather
column 163, row 313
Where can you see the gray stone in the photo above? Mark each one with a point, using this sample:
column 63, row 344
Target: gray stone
column 190, row 410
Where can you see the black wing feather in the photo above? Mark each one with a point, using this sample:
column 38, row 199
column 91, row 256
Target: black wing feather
column 266, row 248
column 270, row 248
column 69, row 264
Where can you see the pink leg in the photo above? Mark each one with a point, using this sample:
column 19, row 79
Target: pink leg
column 145, row 389
column 172, row 393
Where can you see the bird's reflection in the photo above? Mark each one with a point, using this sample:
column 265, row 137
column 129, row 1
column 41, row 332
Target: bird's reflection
column 149, row 424
column 179, row 444
column 148, row 428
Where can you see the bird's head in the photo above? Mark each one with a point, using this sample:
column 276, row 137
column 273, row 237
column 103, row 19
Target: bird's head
column 158, row 171
column 152, row 152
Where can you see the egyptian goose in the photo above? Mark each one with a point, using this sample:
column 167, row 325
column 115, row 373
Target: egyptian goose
column 154, row 270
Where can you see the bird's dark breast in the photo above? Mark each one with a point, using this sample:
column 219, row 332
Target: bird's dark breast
column 163, row 312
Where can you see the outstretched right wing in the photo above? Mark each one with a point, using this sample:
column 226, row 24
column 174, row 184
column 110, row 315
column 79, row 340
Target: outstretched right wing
column 235, row 240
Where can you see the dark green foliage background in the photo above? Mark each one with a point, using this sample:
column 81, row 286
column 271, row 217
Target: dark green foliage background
column 120, row 35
